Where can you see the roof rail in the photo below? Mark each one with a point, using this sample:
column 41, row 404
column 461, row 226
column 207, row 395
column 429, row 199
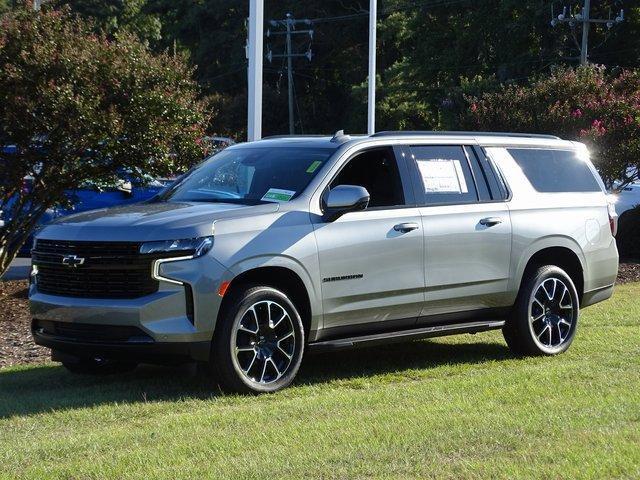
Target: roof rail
column 294, row 135
column 464, row 134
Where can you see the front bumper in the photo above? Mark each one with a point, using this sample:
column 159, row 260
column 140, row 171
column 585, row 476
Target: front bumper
column 131, row 350
column 177, row 323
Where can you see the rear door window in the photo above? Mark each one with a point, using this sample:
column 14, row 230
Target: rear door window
column 555, row 170
column 444, row 175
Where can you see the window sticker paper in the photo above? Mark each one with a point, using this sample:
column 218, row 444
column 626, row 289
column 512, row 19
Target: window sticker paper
column 442, row 175
column 278, row 195
column 314, row 166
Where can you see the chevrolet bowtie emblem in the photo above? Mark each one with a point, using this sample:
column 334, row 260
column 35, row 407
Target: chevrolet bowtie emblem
column 72, row 260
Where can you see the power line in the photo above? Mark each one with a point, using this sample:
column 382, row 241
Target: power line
column 289, row 25
column 584, row 18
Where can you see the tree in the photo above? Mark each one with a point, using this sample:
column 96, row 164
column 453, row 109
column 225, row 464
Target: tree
column 116, row 16
column 586, row 104
column 79, row 106
column 424, row 48
column 429, row 46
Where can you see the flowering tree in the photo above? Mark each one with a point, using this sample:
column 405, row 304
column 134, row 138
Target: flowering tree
column 80, row 107
column 586, row 104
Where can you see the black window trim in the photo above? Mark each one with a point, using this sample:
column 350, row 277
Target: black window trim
column 495, row 170
column 404, row 171
column 470, row 162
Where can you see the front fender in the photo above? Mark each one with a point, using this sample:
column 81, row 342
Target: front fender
column 283, row 261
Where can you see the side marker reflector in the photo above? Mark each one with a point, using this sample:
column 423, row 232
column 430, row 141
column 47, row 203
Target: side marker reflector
column 223, row 288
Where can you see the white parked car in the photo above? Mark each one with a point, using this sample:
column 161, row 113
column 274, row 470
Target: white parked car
column 628, row 198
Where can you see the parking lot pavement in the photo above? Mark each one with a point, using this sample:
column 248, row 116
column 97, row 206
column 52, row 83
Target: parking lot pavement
column 18, row 270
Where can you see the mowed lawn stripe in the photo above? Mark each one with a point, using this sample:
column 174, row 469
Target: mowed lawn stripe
column 457, row 407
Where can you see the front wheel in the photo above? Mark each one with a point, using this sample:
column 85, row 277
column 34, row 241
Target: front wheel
column 258, row 347
column 545, row 316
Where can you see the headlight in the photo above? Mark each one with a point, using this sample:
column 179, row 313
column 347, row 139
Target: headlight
column 195, row 247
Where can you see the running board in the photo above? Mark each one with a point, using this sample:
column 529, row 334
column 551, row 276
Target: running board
column 405, row 335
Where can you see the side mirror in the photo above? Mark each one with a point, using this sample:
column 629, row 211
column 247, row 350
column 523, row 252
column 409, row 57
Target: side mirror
column 125, row 187
column 343, row 199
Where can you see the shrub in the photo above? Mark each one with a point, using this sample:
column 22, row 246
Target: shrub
column 79, row 107
column 586, row 104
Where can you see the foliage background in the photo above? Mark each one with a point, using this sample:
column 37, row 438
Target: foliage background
column 79, row 107
column 427, row 49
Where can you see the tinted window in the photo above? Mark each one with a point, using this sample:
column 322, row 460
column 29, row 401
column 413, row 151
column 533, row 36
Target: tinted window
column 377, row 171
column 445, row 175
column 555, row 170
column 251, row 175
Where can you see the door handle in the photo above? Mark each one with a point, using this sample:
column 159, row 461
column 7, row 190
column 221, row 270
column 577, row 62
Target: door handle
column 490, row 221
column 405, row 227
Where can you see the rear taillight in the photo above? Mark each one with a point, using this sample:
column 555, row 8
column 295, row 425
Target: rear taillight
column 612, row 225
column 611, row 210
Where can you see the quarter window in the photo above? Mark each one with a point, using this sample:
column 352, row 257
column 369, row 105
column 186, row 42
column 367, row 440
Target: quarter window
column 445, row 175
column 555, row 170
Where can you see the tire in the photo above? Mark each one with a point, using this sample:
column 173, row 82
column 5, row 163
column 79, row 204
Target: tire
column 628, row 235
column 544, row 318
column 98, row 366
column 259, row 343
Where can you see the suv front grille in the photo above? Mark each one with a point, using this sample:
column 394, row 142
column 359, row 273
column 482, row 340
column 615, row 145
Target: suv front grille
column 96, row 269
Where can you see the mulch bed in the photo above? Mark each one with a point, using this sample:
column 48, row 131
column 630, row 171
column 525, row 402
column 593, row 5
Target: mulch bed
column 16, row 344
column 629, row 272
column 17, row 347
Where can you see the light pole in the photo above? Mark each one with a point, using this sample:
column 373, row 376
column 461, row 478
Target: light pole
column 255, row 54
column 371, row 104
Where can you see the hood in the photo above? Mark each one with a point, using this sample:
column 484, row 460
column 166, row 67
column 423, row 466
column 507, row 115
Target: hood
column 148, row 221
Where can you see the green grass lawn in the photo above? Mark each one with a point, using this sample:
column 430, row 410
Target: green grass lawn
column 459, row 407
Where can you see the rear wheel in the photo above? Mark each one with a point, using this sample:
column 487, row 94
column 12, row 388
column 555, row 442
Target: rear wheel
column 258, row 347
column 98, row 366
column 545, row 316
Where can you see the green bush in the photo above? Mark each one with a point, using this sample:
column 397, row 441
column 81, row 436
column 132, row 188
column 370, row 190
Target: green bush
column 587, row 104
column 81, row 106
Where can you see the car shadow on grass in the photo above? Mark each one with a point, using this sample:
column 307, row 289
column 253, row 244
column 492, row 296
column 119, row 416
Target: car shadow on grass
column 43, row 388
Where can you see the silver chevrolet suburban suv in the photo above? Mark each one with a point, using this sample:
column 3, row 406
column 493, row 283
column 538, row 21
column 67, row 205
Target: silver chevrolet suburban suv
column 271, row 249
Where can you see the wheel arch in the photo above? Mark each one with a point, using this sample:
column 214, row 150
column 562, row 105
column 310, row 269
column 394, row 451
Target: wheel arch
column 285, row 275
column 561, row 252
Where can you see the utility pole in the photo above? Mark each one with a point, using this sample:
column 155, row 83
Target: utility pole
column 289, row 24
column 371, row 104
column 584, row 50
column 584, row 18
column 254, row 54
column 290, row 75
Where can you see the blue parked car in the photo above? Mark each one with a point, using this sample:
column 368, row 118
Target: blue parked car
column 128, row 189
column 91, row 197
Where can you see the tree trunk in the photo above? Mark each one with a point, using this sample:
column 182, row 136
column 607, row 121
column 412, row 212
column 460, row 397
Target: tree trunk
column 14, row 234
column 6, row 257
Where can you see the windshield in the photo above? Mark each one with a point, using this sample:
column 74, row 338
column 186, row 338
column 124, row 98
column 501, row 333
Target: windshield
column 251, row 175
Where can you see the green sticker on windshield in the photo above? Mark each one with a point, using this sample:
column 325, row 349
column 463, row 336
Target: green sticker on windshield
column 314, row 166
column 278, row 195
